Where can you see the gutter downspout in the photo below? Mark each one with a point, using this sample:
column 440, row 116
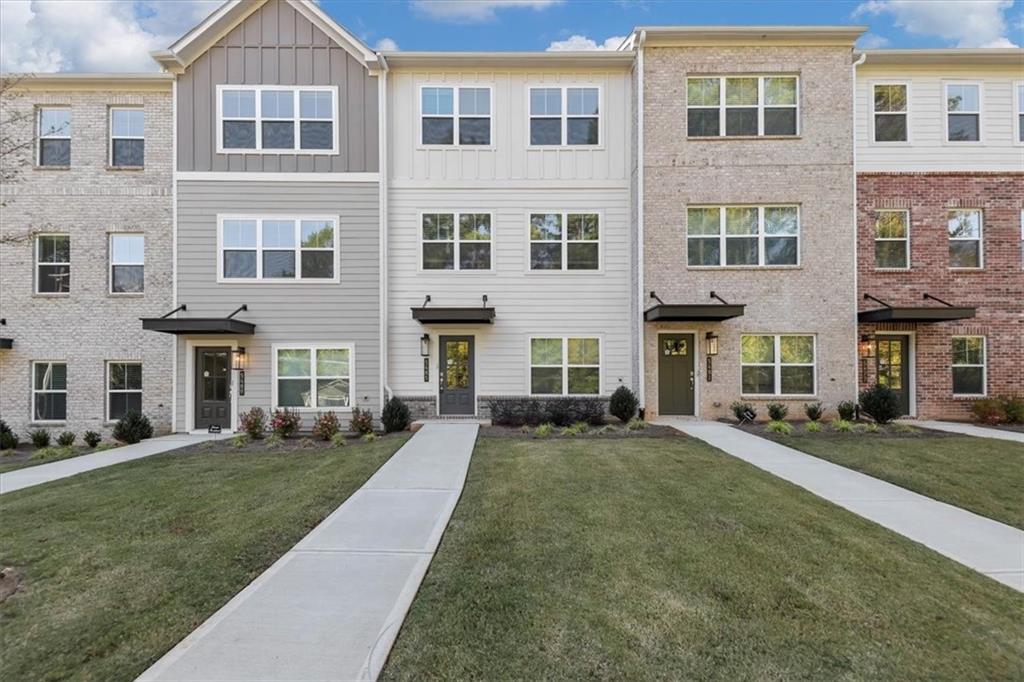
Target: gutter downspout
column 856, row 237
column 382, row 89
column 174, row 249
column 639, row 318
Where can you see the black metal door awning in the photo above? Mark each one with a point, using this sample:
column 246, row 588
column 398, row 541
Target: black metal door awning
column 924, row 314
column 199, row 325
column 693, row 312
column 468, row 315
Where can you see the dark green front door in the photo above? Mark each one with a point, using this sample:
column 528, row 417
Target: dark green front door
column 893, row 367
column 675, row 373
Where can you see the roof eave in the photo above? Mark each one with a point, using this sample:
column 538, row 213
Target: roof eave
column 750, row 35
column 585, row 59
column 1010, row 56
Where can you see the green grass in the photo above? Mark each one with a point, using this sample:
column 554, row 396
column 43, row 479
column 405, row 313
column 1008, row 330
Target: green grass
column 983, row 475
column 121, row 563
column 57, row 453
column 668, row 559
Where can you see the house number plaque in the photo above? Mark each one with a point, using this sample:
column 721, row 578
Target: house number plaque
column 708, row 373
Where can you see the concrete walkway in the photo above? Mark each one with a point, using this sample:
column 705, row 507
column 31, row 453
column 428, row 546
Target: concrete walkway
column 987, row 546
column 44, row 473
column 331, row 607
column 969, row 430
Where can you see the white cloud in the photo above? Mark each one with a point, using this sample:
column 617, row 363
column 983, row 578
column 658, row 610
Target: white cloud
column 582, row 43
column 967, row 23
column 872, row 41
column 473, row 11
column 386, row 45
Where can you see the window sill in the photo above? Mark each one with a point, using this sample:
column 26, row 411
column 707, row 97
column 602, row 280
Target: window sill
column 979, row 269
column 892, row 269
column 51, row 168
column 429, row 272
column 733, row 138
column 548, row 273
column 972, row 396
column 747, row 268
column 43, row 294
column 456, row 147
column 316, row 410
column 126, row 168
column 279, row 152
column 564, row 147
column 126, row 294
column 59, row 422
column 766, row 396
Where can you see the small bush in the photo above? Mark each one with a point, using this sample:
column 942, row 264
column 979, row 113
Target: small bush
column 525, row 428
column 45, row 452
column 239, row 441
column 1014, row 408
column 338, row 440
column 253, row 423
column 636, row 424
column 285, row 423
column 274, row 440
column 779, row 426
column 557, row 411
column 623, row 404
column 847, row 410
column 871, row 427
column 814, row 411
column 544, row 430
column 395, row 416
column 8, row 439
column 882, row 403
column 812, row 427
column 740, row 410
column 361, row 422
column 91, row 438
column 369, row 437
column 40, row 438
column 842, row 425
column 307, row 443
column 989, row 411
column 133, row 427
column 66, row 439
column 777, row 411
column 326, row 425
column 609, row 428
column 577, row 429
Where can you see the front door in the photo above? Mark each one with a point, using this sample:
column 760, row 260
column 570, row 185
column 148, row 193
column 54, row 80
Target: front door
column 213, row 388
column 675, row 373
column 457, row 393
column 893, row 367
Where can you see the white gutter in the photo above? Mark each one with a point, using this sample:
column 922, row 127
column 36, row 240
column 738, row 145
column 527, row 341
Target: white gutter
column 856, row 238
column 639, row 319
column 382, row 135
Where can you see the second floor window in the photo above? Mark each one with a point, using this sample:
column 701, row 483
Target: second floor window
column 54, row 136
column 127, row 137
column 744, row 236
column 892, row 242
column 741, row 106
column 963, row 112
column 565, row 241
column 277, row 120
column 565, row 116
column 276, row 249
column 53, row 264
column 890, row 112
column 456, row 241
column 450, row 116
column 1020, row 112
column 965, row 249
column 127, row 263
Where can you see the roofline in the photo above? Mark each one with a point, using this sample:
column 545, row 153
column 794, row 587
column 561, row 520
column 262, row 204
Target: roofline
column 121, row 81
column 711, row 35
column 1013, row 56
column 554, row 59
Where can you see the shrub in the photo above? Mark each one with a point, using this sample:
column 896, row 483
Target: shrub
column 779, row 426
column 8, row 439
column 882, row 403
column 847, row 410
column 636, row 424
column 133, row 427
column 813, row 427
column 814, row 411
column 989, row 411
column 544, row 430
column 307, row 443
column 361, row 422
column 740, row 411
column 557, row 411
column 66, row 439
column 253, row 423
column 623, row 404
column 40, row 438
column 239, row 441
column 608, row 428
column 1014, row 408
column 274, row 440
column 91, row 438
column 871, row 427
column 45, row 452
column 338, row 440
column 777, row 411
column 326, row 425
column 369, row 437
column 577, row 429
column 285, row 423
column 395, row 416
column 842, row 425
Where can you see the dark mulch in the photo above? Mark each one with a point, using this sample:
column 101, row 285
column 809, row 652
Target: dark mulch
column 300, row 443
column 608, row 431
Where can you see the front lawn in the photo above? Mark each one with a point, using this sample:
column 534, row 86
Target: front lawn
column 665, row 558
column 119, row 564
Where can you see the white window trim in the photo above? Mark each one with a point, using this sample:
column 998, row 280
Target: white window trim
column 37, row 263
column 871, row 114
column 106, row 394
column 455, row 115
column 39, row 132
column 111, row 263
column 778, row 365
column 111, row 137
column 983, row 365
column 32, row 404
column 457, row 240
column 980, row 239
column 259, row 279
column 565, row 241
column 1017, row 112
column 565, row 116
column 565, row 365
column 722, row 237
column 946, row 112
column 906, row 214
column 313, row 348
column 295, row 89
column 722, row 106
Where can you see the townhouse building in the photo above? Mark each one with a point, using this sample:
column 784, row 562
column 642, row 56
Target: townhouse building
column 940, row 228
column 85, row 250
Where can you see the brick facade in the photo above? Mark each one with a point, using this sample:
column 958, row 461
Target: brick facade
column 996, row 290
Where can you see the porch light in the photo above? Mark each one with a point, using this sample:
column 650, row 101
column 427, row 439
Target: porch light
column 425, row 345
column 866, row 347
column 711, row 343
column 238, row 359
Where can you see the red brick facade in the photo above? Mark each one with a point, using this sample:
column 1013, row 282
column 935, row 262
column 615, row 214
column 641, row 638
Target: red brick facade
column 996, row 290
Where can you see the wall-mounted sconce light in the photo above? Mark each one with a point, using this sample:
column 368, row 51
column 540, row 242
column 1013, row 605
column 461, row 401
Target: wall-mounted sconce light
column 711, row 343
column 425, row 345
column 866, row 347
column 238, row 359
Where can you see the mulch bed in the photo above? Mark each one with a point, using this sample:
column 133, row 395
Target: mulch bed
column 860, row 429
column 610, row 431
column 295, row 444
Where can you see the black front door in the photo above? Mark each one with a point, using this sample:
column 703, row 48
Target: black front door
column 893, row 366
column 213, row 388
column 675, row 373
column 457, row 393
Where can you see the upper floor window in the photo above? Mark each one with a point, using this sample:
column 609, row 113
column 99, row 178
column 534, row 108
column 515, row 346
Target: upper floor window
column 313, row 376
column 124, row 389
column 277, row 249
column 968, row 365
column 892, row 239
column 965, row 238
column 49, row 391
column 751, row 236
column 127, row 263
column 565, row 366
column 456, row 241
column 1019, row 99
column 277, row 120
column 565, row 116
column 890, row 112
column 53, row 264
column 127, row 137
column 450, row 116
column 742, row 106
column 54, row 136
column 565, row 241
column 963, row 112
column 777, row 364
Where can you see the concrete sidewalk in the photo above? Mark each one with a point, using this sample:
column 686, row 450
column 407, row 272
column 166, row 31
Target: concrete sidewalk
column 969, row 430
column 44, row 473
column 987, row 546
column 331, row 607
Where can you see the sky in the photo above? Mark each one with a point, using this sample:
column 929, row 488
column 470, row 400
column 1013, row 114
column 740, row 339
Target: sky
column 116, row 35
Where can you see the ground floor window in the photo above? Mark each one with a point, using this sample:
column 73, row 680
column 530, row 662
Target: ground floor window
column 313, row 376
column 124, row 389
column 565, row 366
column 968, row 365
column 778, row 364
column 49, row 391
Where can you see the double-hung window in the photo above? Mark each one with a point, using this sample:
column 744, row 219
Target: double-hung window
column 455, row 116
column 742, row 106
column 892, row 239
column 313, row 376
column 54, row 134
column 777, row 364
column 127, row 137
column 565, row 366
column 889, row 112
column 124, row 389
column 49, row 391
column 968, row 365
column 963, row 112
column 127, row 263
column 565, row 116
column 278, row 248
column 1019, row 117
column 742, row 236
column 53, row 264
column 565, row 241
column 965, row 240
column 277, row 120
column 456, row 241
